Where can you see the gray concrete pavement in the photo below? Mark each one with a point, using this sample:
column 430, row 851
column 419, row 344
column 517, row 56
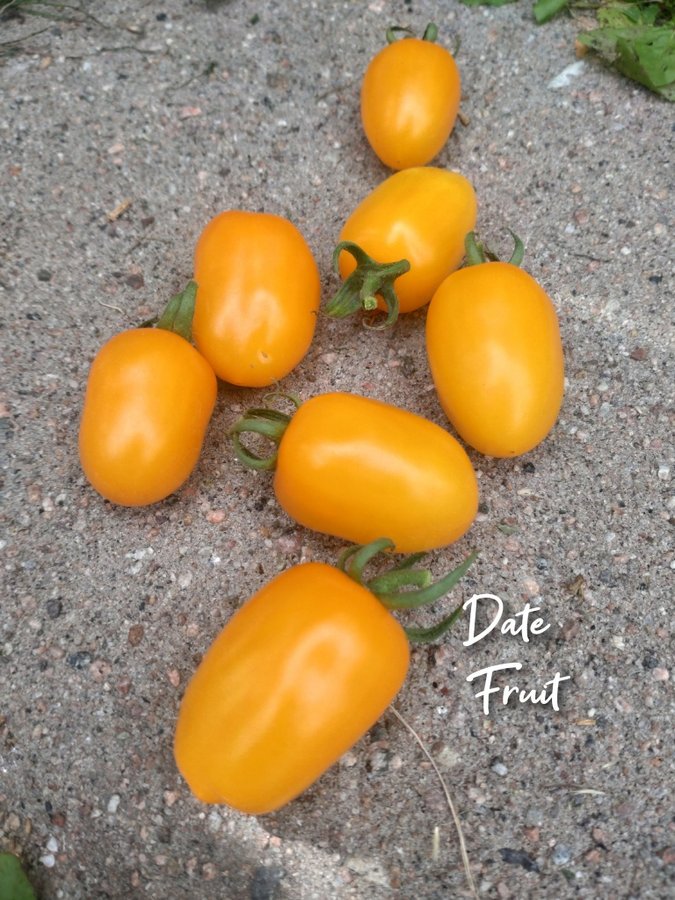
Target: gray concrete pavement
column 180, row 111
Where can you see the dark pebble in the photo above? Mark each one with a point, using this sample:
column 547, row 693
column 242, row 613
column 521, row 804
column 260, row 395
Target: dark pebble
column 135, row 281
column 528, row 467
column 649, row 661
column 519, row 858
column 266, row 883
column 44, row 275
column 80, row 660
column 54, row 608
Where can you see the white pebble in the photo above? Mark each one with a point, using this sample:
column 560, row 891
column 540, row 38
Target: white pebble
column 48, row 860
column 114, row 803
column 53, row 845
column 664, row 472
column 214, row 821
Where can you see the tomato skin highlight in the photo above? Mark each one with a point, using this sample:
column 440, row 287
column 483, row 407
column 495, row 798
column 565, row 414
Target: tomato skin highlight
column 422, row 215
column 296, row 677
column 409, row 101
column 496, row 358
column 258, row 297
column 149, row 399
column 357, row 469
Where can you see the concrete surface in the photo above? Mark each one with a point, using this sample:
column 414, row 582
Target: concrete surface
column 184, row 111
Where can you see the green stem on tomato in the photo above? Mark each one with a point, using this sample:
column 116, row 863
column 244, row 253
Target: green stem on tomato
column 369, row 278
column 179, row 312
column 271, row 424
column 402, row 586
column 430, row 32
column 434, row 632
column 478, row 252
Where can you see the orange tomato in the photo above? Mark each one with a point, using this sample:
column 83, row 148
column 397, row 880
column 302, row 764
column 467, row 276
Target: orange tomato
column 409, row 101
column 295, row 678
column 496, row 357
column 358, row 469
column 149, row 399
column 421, row 215
column 258, row 297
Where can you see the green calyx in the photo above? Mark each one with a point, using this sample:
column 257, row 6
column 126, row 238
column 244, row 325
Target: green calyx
column 270, row 423
column 478, row 253
column 179, row 312
column 359, row 289
column 403, row 586
column 430, row 33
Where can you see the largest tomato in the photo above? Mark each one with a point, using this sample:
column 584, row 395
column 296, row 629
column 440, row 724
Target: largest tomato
column 300, row 672
column 258, row 297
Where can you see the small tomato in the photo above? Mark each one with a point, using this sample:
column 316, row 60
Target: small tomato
column 148, row 402
column 258, row 297
column 357, row 468
column 409, row 100
column 496, row 357
column 298, row 675
column 410, row 230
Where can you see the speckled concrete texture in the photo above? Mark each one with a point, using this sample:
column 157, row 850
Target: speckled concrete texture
column 120, row 138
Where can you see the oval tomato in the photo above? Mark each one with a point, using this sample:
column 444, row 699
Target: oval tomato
column 258, row 297
column 496, row 357
column 409, row 101
column 149, row 399
column 421, row 215
column 357, row 469
column 296, row 677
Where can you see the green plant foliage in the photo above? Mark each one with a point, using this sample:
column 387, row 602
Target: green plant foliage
column 635, row 37
column 13, row 882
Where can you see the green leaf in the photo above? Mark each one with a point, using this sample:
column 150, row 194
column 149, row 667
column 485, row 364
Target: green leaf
column 642, row 52
column 13, row 882
column 544, row 10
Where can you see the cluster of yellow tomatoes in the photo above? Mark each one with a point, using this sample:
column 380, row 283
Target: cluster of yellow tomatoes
column 307, row 665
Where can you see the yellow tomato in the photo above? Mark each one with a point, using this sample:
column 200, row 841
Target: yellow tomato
column 496, row 357
column 296, row 677
column 258, row 297
column 421, row 215
column 149, row 398
column 359, row 469
column 409, row 101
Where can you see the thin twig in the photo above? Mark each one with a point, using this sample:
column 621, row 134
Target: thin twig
column 451, row 805
column 110, row 306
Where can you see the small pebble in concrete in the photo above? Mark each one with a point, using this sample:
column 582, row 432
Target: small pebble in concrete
column 499, row 768
column 561, row 855
column 54, row 608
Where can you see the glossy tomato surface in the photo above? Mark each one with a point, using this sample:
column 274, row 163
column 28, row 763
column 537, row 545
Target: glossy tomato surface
column 257, row 299
column 409, row 101
column 496, row 357
column 360, row 469
column 422, row 215
column 149, row 399
column 295, row 678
